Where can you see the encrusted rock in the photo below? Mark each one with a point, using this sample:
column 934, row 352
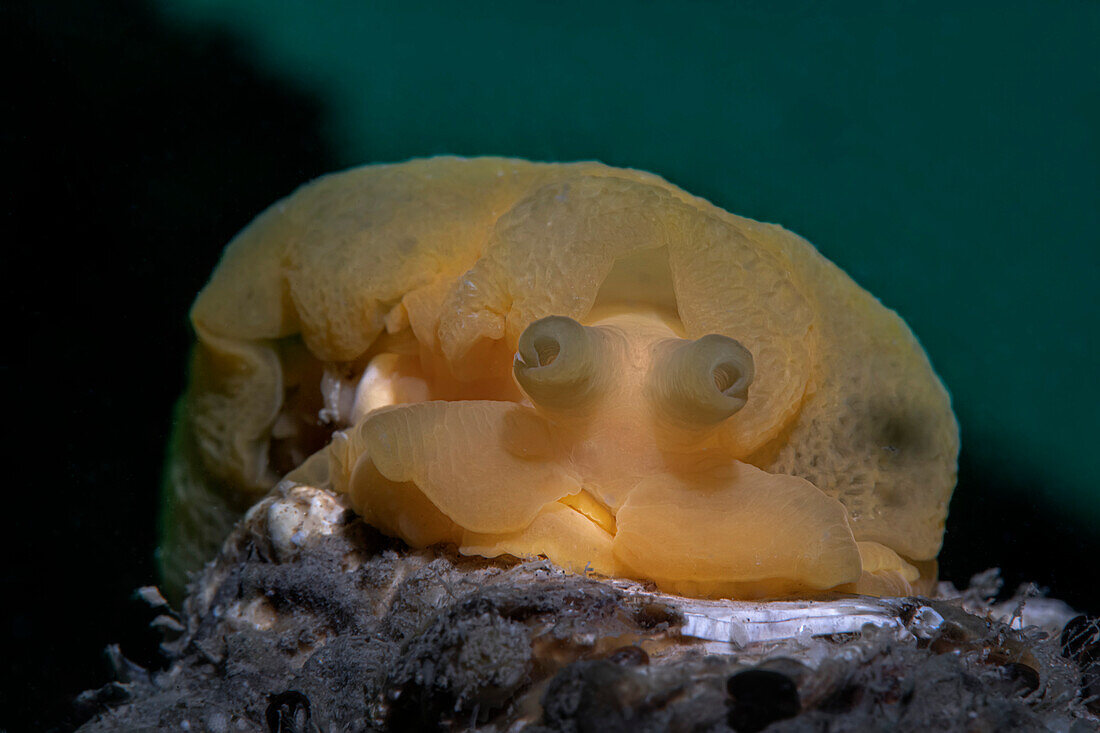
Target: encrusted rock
column 309, row 620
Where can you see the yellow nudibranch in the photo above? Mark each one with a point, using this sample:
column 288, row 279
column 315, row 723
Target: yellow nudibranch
column 564, row 360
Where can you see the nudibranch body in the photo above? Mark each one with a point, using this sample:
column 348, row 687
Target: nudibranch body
column 574, row 361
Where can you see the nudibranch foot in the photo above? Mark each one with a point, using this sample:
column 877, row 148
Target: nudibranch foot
column 448, row 472
column 743, row 528
column 455, row 454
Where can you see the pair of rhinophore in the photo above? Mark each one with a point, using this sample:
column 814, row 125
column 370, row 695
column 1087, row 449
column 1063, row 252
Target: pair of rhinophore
column 565, row 366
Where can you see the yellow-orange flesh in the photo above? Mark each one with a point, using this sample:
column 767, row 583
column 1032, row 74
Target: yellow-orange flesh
column 579, row 362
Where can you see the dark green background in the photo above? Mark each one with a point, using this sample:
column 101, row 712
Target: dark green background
column 946, row 157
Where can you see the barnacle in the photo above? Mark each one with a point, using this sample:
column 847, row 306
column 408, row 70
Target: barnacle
column 576, row 361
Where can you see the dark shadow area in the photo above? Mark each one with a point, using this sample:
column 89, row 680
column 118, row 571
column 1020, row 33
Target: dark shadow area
column 133, row 152
column 994, row 522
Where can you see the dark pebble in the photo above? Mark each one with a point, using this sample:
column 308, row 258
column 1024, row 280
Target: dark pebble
column 1024, row 678
column 288, row 712
column 1081, row 640
column 652, row 615
column 760, row 697
column 1090, row 687
column 629, row 656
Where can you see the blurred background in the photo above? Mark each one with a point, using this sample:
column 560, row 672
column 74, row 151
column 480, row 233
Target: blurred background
column 947, row 157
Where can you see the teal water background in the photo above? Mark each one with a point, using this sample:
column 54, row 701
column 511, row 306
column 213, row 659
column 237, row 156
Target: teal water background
column 946, row 155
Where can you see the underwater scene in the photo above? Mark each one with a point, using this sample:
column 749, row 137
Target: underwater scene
column 818, row 277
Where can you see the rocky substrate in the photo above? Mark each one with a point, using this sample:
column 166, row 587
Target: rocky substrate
column 310, row 620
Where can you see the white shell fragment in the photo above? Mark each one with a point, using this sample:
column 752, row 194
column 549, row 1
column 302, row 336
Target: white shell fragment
column 301, row 516
column 339, row 396
column 741, row 623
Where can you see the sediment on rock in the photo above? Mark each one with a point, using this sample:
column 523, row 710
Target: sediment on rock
column 334, row 627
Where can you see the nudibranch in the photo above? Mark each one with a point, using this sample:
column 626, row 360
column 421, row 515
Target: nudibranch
column 573, row 361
